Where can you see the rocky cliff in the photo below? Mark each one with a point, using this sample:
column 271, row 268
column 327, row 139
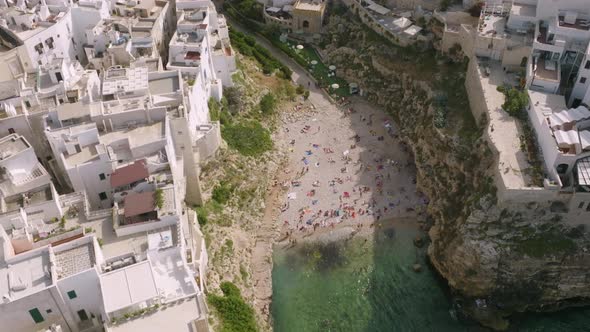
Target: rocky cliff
column 497, row 259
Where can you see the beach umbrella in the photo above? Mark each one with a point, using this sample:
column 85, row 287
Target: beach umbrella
column 332, row 67
column 314, row 62
column 335, row 86
column 299, row 47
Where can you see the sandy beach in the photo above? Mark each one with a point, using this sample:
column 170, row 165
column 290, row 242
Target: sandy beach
column 347, row 170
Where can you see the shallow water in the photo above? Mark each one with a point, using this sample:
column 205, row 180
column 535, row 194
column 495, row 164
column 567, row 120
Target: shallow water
column 370, row 286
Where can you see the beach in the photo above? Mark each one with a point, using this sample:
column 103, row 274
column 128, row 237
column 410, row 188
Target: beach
column 347, row 170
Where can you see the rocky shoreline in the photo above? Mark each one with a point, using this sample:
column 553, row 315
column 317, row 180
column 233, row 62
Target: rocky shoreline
column 498, row 260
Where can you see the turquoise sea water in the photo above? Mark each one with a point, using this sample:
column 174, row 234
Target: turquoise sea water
column 370, row 286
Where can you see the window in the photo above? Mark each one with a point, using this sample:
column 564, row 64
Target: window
column 581, row 205
column 582, row 80
column 48, row 311
column 82, row 314
column 49, row 43
column 102, row 176
column 102, row 196
column 305, row 24
column 39, row 48
column 72, row 294
column 587, row 66
column 36, row 315
column 11, row 131
column 27, row 103
column 562, row 168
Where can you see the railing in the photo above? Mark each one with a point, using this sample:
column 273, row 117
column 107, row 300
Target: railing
column 97, row 214
column 75, row 197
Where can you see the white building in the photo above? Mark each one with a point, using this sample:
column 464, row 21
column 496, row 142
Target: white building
column 128, row 142
column 200, row 47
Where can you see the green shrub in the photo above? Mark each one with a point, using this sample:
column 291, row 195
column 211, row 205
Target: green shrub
column 300, row 89
column 515, row 102
column 214, row 109
column 159, row 198
column 268, row 103
column 222, row 193
column 248, row 137
column 202, row 216
column 235, row 314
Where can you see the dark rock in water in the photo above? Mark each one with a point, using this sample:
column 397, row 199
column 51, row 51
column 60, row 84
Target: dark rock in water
column 419, row 241
column 389, row 232
column 417, row 267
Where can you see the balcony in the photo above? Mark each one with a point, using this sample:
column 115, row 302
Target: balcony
column 547, row 40
column 546, row 75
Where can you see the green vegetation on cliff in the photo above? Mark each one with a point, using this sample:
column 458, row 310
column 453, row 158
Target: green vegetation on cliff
column 248, row 137
column 236, row 315
column 547, row 243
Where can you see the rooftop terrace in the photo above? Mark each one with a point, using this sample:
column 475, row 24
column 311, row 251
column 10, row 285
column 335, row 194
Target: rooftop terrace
column 12, row 145
column 74, row 260
column 26, row 274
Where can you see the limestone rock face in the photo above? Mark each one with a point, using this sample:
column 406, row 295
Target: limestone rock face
column 497, row 259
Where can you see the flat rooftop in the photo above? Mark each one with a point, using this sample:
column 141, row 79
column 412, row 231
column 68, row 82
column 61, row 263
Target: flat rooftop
column 127, row 286
column 164, row 85
column 523, row 10
column 177, row 318
column 171, row 274
column 26, row 274
column 308, row 5
column 580, row 24
column 547, row 70
column 137, row 136
column 120, row 80
column 75, row 260
column 86, row 154
column 492, row 25
column 12, row 145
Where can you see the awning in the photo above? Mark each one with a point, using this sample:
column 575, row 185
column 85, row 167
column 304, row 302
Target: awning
column 402, row 23
column 413, row 30
column 128, row 286
column 273, row 9
column 378, row 9
column 585, row 139
column 566, row 138
column 572, row 115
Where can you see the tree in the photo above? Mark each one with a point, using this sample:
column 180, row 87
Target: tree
column 268, row 103
column 515, row 102
column 235, row 102
column 475, row 10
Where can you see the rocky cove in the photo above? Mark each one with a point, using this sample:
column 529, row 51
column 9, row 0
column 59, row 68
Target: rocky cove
column 497, row 259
